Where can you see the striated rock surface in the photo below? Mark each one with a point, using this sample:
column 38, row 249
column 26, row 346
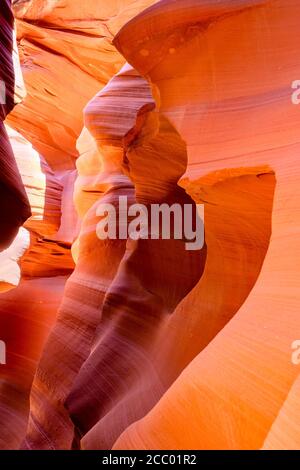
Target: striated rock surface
column 35, row 266
column 138, row 301
column 45, row 191
column 27, row 313
column 151, row 346
column 30, row 196
column 12, row 85
column 10, row 272
column 233, row 64
column 110, row 320
column 14, row 207
column 284, row 433
column 67, row 56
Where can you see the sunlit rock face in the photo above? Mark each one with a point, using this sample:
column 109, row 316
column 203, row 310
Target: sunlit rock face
column 27, row 313
column 50, row 239
column 233, row 63
column 141, row 344
column 43, row 239
column 14, row 206
column 33, row 268
column 67, row 56
column 284, row 432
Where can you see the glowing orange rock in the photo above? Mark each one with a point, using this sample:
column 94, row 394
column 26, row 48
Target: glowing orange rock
column 224, row 81
column 30, row 266
column 45, row 192
column 284, row 433
column 121, row 118
column 154, row 347
column 14, row 207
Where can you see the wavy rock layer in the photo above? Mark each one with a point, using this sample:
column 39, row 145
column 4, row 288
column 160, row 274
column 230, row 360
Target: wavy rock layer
column 233, row 64
column 47, row 240
column 284, row 433
column 67, row 56
column 35, row 264
column 129, row 291
column 26, row 315
column 153, row 346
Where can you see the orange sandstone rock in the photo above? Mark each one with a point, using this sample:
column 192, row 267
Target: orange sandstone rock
column 233, row 63
column 284, row 433
column 45, row 192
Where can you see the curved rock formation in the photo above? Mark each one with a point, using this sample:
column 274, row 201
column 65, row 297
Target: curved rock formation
column 45, row 191
column 128, row 298
column 234, row 108
column 67, row 56
column 30, row 267
column 284, row 433
column 14, row 207
column 10, row 272
column 153, row 346
column 27, row 313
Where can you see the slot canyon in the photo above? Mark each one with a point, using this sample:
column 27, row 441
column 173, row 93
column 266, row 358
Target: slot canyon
column 134, row 344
